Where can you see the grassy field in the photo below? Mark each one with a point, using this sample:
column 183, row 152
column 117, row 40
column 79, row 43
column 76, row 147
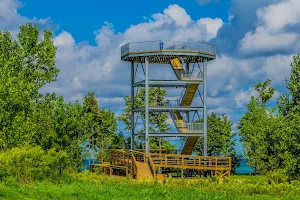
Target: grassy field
column 91, row 186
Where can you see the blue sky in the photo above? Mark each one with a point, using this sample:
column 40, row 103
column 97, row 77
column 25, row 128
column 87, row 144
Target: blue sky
column 255, row 40
column 83, row 18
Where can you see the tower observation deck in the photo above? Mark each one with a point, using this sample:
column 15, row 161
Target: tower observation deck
column 188, row 112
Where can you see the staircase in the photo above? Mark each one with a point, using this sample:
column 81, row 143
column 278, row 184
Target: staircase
column 187, row 100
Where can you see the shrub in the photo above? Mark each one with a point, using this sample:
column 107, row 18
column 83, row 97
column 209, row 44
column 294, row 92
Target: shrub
column 27, row 164
column 277, row 176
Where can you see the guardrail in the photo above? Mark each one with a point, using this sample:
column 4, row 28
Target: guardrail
column 191, row 162
column 159, row 159
column 168, row 45
column 191, row 74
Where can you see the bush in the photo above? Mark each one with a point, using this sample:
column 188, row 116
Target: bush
column 27, row 164
column 277, row 176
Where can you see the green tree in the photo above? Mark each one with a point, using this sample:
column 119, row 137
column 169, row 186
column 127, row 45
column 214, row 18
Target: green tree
column 258, row 130
column 103, row 126
column 26, row 65
column 219, row 136
column 265, row 91
column 289, row 103
column 220, row 139
column 157, row 120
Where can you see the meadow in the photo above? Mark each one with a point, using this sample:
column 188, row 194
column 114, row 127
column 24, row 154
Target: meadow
column 91, row 186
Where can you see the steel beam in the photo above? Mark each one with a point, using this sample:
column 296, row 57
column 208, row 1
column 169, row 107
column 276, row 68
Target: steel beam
column 167, row 83
column 205, row 108
column 147, row 145
column 132, row 105
column 175, row 134
column 167, row 109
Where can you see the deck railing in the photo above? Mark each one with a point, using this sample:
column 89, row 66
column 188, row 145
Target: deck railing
column 168, row 46
column 170, row 160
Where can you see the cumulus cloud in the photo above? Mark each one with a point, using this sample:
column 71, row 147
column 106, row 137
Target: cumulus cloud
column 178, row 14
column 271, row 34
column 99, row 68
column 277, row 16
column 212, row 25
column 264, row 41
column 64, row 39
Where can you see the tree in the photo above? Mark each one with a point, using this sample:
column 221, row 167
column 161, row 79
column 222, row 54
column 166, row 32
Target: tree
column 103, row 126
column 220, row 139
column 157, row 120
column 271, row 139
column 26, row 65
column 257, row 129
column 289, row 103
column 265, row 91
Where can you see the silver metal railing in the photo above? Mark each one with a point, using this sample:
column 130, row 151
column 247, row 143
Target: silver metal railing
column 191, row 74
column 169, row 45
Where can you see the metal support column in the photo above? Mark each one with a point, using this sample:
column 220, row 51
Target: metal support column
column 147, row 145
column 205, row 108
column 132, row 106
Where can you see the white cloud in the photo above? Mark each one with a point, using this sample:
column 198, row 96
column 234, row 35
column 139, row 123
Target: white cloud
column 264, row 41
column 212, row 25
column 243, row 97
column 178, row 14
column 278, row 16
column 270, row 34
column 64, row 39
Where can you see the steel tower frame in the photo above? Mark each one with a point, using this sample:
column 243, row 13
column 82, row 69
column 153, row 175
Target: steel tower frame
column 184, row 58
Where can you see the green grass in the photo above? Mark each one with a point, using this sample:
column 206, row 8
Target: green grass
column 91, row 186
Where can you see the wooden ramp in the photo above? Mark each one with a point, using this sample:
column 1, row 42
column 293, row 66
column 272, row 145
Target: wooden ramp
column 144, row 172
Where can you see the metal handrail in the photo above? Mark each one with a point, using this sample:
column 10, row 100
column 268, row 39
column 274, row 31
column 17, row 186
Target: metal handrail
column 202, row 47
column 191, row 74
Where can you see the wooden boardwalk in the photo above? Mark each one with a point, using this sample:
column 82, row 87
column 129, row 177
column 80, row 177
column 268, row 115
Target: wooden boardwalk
column 146, row 166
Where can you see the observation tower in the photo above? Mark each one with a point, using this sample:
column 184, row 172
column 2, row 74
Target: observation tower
column 189, row 62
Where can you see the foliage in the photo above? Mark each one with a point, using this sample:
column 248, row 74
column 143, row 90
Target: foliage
column 27, row 164
column 270, row 138
column 103, row 126
column 220, row 139
column 265, row 91
column 26, row 65
column 157, row 120
column 258, row 129
column 29, row 117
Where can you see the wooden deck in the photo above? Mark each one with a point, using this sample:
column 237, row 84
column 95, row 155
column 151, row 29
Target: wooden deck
column 146, row 166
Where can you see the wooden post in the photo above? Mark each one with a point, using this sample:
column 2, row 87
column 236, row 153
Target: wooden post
column 181, row 172
column 110, row 171
column 166, row 159
column 221, row 179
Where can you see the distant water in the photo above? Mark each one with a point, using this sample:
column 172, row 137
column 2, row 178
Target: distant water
column 244, row 168
column 87, row 162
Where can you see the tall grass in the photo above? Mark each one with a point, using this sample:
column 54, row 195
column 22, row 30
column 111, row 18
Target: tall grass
column 91, row 186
